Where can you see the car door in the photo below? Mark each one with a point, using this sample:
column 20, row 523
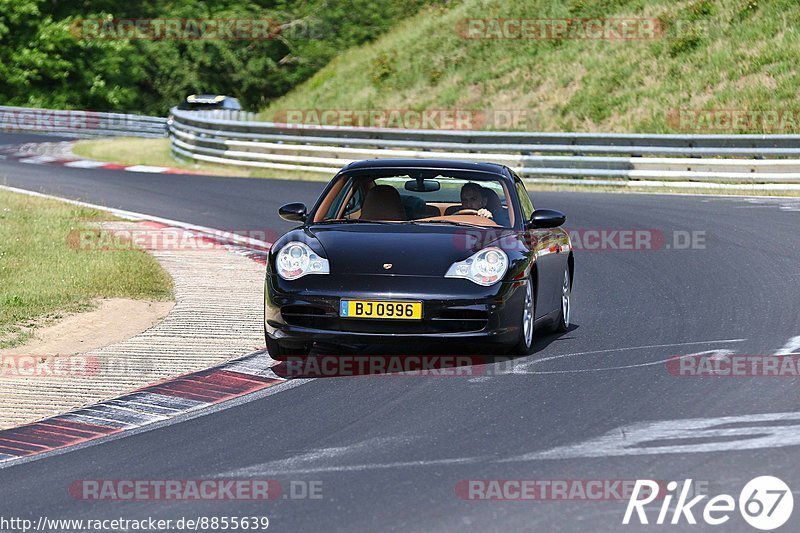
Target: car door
column 550, row 262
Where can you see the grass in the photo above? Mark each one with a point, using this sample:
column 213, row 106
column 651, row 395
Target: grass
column 721, row 54
column 156, row 152
column 42, row 278
column 137, row 151
column 127, row 151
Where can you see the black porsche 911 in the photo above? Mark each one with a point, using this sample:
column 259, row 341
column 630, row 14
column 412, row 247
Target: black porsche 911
column 418, row 250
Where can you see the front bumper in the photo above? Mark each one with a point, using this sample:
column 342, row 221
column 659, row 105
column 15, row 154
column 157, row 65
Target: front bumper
column 307, row 309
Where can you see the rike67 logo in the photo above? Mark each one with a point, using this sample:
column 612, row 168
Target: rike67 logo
column 765, row 503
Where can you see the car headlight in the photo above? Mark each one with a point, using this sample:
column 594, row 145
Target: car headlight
column 486, row 267
column 296, row 260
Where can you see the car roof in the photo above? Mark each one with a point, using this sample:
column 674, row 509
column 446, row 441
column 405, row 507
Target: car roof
column 204, row 98
column 443, row 164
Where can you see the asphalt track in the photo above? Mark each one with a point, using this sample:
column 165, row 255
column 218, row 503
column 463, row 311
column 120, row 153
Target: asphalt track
column 389, row 451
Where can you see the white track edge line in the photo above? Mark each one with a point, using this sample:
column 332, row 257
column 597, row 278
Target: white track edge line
column 190, row 414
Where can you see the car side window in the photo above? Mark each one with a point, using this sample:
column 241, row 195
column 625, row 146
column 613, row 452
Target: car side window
column 336, row 206
column 355, row 202
column 524, row 200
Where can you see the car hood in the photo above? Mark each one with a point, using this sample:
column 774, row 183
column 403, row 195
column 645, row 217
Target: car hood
column 425, row 250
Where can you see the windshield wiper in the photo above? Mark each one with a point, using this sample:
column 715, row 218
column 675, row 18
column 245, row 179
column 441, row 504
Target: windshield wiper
column 355, row 221
column 450, row 222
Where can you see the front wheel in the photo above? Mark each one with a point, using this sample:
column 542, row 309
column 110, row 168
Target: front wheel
column 281, row 352
column 524, row 344
column 562, row 322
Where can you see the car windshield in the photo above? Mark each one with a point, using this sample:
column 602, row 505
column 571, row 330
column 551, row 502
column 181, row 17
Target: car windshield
column 431, row 199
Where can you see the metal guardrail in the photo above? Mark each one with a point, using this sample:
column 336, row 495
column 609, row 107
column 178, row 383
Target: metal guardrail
column 235, row 139
column 80, row 124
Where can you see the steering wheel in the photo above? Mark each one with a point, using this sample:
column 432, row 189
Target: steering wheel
column 465, row 211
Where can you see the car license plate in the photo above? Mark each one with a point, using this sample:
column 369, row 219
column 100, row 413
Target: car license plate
column 380, row 309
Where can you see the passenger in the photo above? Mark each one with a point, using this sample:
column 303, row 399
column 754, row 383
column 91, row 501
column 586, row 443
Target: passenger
column 495, row 206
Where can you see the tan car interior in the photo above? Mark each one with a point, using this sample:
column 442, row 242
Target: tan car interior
column 383, row 202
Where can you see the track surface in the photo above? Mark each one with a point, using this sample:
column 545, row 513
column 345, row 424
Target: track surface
column 389, row 451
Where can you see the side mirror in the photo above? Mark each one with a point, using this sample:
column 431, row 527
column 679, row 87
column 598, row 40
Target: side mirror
column 294, row 212
column 546, row 218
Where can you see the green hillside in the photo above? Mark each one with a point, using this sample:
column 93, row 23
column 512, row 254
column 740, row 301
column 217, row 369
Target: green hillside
column 707, row 55
column 79, row 54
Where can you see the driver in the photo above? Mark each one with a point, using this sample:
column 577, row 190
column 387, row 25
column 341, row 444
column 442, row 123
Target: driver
column 472, row 197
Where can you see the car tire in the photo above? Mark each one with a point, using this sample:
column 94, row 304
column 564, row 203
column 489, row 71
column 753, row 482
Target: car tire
column 281, row 352
column 524, row 344
column 562, row 321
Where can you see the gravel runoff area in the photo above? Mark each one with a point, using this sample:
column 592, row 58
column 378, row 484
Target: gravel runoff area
column 218, row 316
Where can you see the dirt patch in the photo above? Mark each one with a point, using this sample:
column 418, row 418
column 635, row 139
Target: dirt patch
column 114, row 320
